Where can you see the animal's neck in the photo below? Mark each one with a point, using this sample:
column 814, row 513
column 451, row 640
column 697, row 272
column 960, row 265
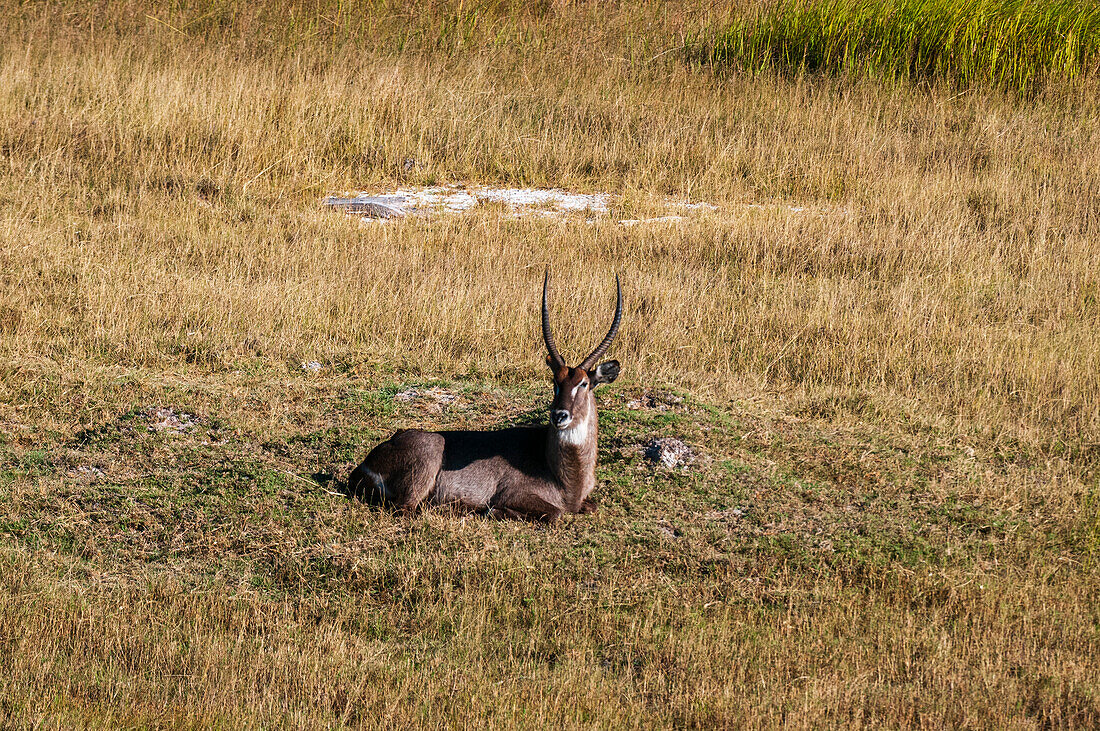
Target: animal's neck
column 571, row 454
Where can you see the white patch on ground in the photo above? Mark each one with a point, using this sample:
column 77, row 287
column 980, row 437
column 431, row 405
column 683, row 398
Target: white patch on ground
column 535, row 202
column 163, row 419
column 406, row 202
column 668, row 452
column 596, row 203
column 312, row 366
column 434, row 399
column 436, row 393
column 518, row 202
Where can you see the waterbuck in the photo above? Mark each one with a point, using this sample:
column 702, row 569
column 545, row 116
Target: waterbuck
column 536, row 472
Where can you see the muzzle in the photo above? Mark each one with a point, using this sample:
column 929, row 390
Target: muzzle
column 560, row 418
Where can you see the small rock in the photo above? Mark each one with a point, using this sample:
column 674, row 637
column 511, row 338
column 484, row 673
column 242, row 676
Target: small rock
column 90, row 470
column 669, row 452
column 312, row 366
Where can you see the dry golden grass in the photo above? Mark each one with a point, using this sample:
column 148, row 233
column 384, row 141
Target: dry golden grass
column 161, row 241
column 162, row 204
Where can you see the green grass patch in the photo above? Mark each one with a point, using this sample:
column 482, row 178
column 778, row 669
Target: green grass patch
column 1017, row 44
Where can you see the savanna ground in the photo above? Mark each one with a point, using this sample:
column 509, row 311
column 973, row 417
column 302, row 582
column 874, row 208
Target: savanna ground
column 887, row 367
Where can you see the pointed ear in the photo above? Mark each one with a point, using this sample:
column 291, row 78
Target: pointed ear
column 550, row 362
column 605, row 373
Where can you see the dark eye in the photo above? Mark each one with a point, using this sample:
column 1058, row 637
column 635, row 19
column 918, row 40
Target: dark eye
column 584, row 384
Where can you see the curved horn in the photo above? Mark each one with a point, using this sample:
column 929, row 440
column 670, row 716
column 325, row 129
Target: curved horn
column 590, row 361
column 550, row 347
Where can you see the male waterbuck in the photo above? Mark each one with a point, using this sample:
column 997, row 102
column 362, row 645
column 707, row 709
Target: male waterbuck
column 535, row 472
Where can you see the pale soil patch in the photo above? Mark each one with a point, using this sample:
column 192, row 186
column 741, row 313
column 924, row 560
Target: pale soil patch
column 167, row 419
column 517, row 202
column 433, row 399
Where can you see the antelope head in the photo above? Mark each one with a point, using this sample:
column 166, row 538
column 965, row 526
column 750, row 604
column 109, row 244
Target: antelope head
column 573, row 410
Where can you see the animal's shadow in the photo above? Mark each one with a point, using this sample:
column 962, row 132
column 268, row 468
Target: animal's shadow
column 337, row 484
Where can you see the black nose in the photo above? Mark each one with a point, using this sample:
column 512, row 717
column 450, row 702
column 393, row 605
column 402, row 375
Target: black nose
column 559, row 417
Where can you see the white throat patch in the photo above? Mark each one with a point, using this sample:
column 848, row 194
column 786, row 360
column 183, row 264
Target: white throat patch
column 576, row 435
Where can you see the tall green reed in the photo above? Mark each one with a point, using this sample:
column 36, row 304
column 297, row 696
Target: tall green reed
column 1017, row 44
